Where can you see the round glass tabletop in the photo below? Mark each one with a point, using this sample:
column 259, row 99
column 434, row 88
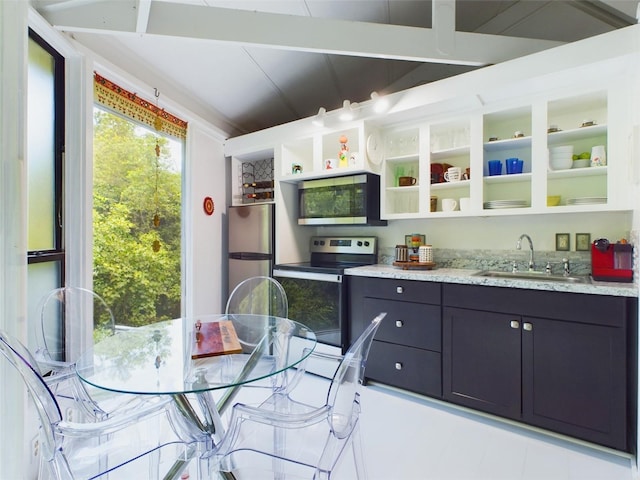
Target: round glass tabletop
column 176, row 357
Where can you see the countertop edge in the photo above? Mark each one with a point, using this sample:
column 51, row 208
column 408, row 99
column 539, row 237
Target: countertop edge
column 464, row 276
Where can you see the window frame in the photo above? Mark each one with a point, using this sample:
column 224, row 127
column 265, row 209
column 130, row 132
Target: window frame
column 57, row 254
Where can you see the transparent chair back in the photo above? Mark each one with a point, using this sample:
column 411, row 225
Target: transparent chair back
column 344, row 392
column 259, row 295
column 61, row 312
column 263, row 297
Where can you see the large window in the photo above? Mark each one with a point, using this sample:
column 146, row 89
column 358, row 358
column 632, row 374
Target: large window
column 136, row 219
column 45, row 149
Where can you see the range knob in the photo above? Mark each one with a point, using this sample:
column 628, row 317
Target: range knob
column 322, row 243
column 359, row 243
column 366, row 243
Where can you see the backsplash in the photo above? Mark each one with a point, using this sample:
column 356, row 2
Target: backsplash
column 580, row 262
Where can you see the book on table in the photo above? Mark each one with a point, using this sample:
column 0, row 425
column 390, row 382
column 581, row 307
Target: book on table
column 215, row 338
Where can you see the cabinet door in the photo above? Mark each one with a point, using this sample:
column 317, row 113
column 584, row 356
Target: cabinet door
column 481, row 361
column 574, row 379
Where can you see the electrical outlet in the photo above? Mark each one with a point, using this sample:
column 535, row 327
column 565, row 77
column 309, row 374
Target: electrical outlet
column 35, row 447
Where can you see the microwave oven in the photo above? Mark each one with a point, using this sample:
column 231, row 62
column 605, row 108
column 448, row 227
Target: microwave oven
column 345, row 200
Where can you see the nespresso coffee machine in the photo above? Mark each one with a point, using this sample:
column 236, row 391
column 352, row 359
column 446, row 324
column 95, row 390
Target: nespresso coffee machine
column 611, row 262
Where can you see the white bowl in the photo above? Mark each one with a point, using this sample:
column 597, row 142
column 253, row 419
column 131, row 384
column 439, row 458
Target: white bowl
column 563, row 163
column 581, row 163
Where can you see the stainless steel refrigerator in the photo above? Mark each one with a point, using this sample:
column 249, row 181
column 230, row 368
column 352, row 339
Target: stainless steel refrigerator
column 251, row 242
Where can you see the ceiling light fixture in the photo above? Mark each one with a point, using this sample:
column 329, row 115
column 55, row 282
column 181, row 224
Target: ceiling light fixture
column 380, row 103
column 348, row 111
column 318, row 120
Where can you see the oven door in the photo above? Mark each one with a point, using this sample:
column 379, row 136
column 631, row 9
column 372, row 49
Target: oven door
column 318, row 300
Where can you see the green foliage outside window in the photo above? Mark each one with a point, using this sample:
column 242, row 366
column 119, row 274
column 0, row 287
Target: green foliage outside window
column 140, row 285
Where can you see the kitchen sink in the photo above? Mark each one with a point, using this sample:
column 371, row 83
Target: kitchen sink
column 534, row 276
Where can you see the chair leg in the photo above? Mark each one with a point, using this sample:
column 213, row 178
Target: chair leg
column 154, row 464
column 358, row 456
column 279, row 442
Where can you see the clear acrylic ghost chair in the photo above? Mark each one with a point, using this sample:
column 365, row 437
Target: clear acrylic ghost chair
column 292, row 439
column 260, row 296
column 69, row 306
column 126, row 444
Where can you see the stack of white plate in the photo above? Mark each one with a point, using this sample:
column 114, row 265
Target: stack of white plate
column 494, row 204
column 586, row 200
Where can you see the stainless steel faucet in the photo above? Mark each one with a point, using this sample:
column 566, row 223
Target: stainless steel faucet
column 565, row 267
column 532, row 265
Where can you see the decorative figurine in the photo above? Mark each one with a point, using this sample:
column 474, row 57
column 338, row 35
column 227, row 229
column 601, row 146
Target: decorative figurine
column 343, row 156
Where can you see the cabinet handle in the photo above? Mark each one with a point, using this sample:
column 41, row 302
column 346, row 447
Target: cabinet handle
column 398, row 366
column 399, row 289
column 399, row 323
column 515, row 324
column 527, row 326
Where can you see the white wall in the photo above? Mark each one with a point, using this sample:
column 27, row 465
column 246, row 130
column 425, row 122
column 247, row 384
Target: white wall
column 13, row 48
column 208, row 178
column 497, row 233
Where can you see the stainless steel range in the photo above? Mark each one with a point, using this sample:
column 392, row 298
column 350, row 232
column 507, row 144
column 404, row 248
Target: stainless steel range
column 316, row 291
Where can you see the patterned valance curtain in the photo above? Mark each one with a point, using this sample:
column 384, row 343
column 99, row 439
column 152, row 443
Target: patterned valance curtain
column 116, row 98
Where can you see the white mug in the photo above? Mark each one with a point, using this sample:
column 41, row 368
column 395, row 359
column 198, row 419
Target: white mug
column 465, row 203
column 449, row 204
column 453, row 174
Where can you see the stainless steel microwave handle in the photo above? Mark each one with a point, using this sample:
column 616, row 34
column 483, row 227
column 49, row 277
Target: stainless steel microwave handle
column 321, row 277
column 333, row 221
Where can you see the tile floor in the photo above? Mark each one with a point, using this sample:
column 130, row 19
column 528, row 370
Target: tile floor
column 408, row 438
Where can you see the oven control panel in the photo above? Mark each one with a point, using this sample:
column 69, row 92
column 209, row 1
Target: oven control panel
column 351, row 245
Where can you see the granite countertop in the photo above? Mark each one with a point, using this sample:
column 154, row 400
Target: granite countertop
column 466, row 276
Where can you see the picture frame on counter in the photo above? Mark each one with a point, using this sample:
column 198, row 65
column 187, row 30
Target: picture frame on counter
column 563, row 242
column 583, row 242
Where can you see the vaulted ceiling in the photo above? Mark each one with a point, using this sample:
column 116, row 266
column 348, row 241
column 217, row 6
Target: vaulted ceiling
column 246, row 65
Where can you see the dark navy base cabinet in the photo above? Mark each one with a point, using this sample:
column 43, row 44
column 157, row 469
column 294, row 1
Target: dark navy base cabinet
column 560, row 361
column 406, row 351
column 553, row 360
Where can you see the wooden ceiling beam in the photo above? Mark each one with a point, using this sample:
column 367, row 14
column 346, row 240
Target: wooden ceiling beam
column 142, row 20
column 296, row 33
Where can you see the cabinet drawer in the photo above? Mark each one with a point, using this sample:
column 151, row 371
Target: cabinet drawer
column 405, row 290
column 405, row 367
column 576, row 307
column 414, row 324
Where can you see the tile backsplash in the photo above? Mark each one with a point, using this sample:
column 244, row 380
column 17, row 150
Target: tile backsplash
column 580, row 262
column 482, row 259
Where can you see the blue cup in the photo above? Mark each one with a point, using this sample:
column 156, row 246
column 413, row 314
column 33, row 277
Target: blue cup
column 514, row 165
column 495, row 167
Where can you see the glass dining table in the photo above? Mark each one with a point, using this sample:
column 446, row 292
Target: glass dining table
column 164, row 358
